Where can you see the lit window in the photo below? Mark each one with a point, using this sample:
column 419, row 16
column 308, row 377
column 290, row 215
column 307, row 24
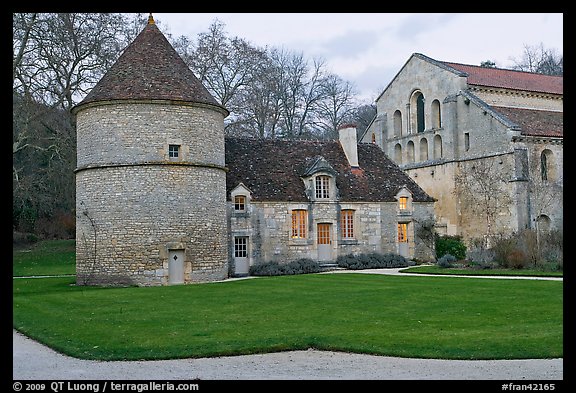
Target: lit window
column 403, row 203
column 241, row 247
column 322, row 187
column 173, row 151
column 324, row 234
column 347, row 224
column 239, row 203
column 299, row 224
column 373, row 138
column 402, row 232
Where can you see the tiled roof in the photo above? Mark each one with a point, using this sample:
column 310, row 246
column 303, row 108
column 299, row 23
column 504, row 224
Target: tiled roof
column 510, row 79
column 148, row 69
column 272, row 170
column 535, row 122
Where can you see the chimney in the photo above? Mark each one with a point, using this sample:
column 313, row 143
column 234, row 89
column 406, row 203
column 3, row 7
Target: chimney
column 347, row 137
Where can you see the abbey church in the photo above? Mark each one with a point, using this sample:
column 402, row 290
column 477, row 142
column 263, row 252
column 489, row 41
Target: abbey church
column 486, row 143
column 164, row 197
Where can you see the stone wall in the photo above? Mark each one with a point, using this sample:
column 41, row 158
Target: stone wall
column 268, row 226
column 520, row 99
column 138, row 132
column 135, row 204
column 469, row 132
column 128, row 218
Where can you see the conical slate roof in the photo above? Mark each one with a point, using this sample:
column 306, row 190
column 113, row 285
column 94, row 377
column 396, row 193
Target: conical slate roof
column 150, row 69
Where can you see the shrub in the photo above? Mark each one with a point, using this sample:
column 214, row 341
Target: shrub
column 23, row 239
column 517, row 259
column 372, row 261
column 273, row 268
column 481, row 265
column 265, row 269
column 304, row 266
column 519, row 250
column 447, row 260
column 452, row 245
column 503, row 247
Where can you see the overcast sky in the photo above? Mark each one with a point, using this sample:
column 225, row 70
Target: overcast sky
column 368, row 49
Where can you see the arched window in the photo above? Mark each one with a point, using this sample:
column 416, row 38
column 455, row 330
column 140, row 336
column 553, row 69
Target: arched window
column 437, row 146
column 417, row 112
column 398, row 154
column 420, row 113
column 543, row 222
column 423, row 149
column 436, row 115
column 547, row 165
column 397, row 123
column 410, row 151
column 543, row 166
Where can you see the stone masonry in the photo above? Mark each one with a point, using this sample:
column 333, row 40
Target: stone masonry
column 134, row 203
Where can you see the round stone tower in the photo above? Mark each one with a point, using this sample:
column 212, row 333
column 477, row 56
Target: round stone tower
column 150, row 177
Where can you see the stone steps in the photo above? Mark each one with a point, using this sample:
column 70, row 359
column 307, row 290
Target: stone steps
column 325, row 266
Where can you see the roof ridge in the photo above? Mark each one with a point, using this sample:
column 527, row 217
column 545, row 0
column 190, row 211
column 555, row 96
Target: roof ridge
column 499, row 68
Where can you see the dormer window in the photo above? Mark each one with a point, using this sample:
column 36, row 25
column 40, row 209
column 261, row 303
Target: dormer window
column 240, row 200
column 404, row 198
column 240, row 203
column 403, row 203
column 319, row 179
column 322, row 187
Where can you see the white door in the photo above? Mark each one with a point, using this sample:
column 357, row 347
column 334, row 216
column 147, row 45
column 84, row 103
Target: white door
column 324, row 240
column 241, row 265
column 176, row 267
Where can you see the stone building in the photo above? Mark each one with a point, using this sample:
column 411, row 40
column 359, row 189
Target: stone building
column 151, row 176
column 163, row 197
column 320, row 199
column 486, row 143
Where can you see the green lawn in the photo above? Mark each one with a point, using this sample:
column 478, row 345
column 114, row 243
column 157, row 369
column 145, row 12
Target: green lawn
column 434, row 269
column 52, row 257
column 424, row 317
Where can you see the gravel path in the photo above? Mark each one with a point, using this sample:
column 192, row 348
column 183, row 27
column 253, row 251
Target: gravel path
column 32, row 360
column 35, row 361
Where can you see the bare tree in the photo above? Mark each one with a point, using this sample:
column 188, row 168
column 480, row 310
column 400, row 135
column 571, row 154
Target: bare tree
column 57, row 58
column 261, row 105
column 540, row 60
column 336, row 105
column 362, row 116
column 224, row 65
column 270, row 92
column 482, row 188
column 545, row 193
